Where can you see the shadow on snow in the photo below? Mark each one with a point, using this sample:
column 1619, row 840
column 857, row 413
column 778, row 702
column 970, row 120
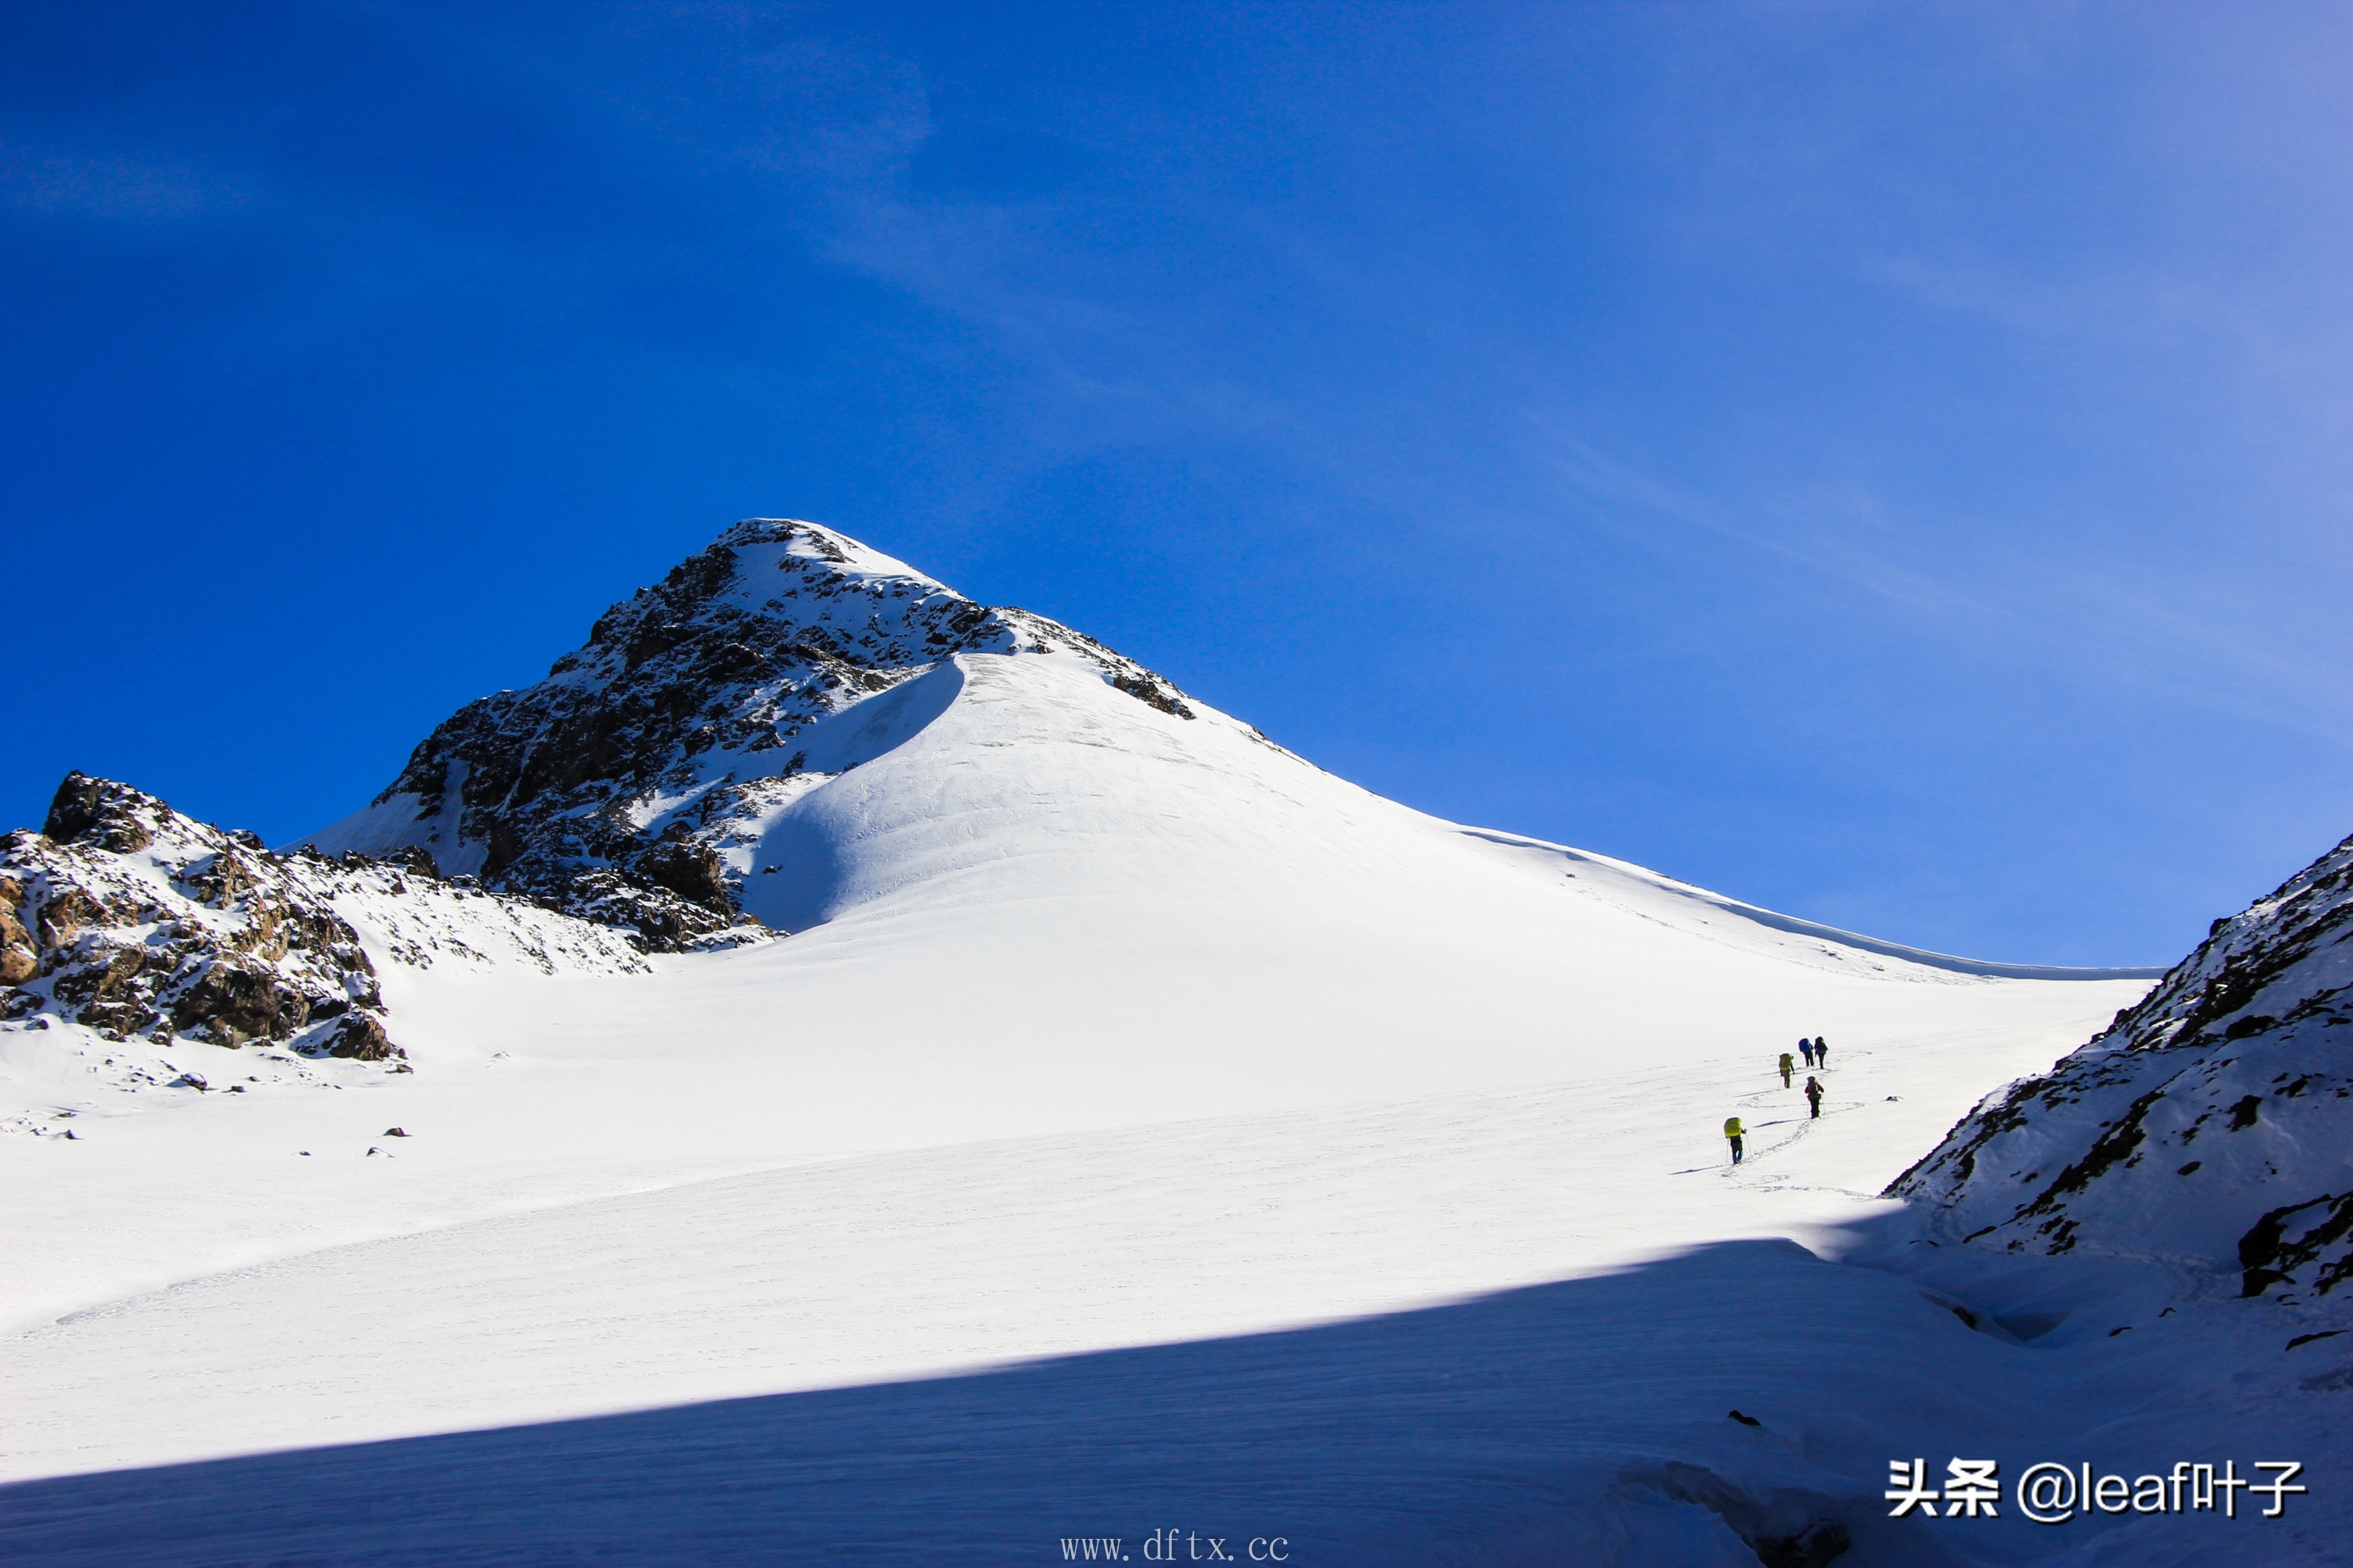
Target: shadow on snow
column 1585, row 1421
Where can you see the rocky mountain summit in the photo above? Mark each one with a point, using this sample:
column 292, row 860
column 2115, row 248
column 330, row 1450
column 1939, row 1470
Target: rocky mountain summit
column 2212, row 1123
column 627, row 787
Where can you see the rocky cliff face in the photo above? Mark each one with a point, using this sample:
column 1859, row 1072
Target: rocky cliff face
column 127, row 917
column 2212, row 1123
column 622, row 788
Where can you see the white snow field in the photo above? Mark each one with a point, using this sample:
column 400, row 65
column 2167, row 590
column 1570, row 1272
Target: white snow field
column 1143, row 1129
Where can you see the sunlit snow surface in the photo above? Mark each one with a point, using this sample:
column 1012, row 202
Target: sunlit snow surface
column 1121, row 1039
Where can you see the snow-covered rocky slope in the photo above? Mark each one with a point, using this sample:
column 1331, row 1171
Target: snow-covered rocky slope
column 1106, row 1023
column 2211, row 1124
column 127, row 917
column 630, row 785
column 143, row 951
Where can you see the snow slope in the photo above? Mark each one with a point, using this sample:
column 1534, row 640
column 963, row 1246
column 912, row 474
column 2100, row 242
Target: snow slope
column 1053, row 907
column 1458, row 1428
column 2211, row 1125
column 1104, row 1026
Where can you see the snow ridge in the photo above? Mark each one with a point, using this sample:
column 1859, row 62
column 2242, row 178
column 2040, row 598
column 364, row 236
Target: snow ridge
column 1795, row 926
column 2211, row 1124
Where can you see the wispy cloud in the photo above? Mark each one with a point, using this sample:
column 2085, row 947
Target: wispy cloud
column 2108, row 622
column 1595, row 474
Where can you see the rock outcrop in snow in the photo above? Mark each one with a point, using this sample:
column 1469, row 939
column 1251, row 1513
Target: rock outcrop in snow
column 625, row 788
column 131, row 918
column 2212, row 1123
column 134, row 921
column 410, row 915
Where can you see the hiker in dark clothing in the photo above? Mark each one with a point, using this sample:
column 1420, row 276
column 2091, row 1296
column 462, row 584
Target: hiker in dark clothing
column 1814, row 1098
column 1785, row 1069
column 1732, row 1134
column 1822, row 1052
column 1806, row 1049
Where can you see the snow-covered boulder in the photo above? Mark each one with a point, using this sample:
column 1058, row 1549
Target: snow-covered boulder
column 2212, row 1123
column 626, row 787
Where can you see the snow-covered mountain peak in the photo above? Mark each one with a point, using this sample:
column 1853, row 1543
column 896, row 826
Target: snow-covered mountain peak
column 1081, row 966
column 778, row 583
column 615, row 788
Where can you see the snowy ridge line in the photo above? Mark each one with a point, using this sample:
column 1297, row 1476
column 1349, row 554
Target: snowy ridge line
column 1797, row 927
column 2206, row 1126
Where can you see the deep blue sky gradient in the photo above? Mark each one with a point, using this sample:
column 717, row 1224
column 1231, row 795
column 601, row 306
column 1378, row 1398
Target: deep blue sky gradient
column 1885, row 462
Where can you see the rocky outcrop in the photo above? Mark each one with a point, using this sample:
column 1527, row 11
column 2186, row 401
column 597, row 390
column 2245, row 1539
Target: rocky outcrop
column 2212, row 1123
column 127, row 917
column 1152, row 692
column 624, row 788
column 361, row 1038
column 20, row 957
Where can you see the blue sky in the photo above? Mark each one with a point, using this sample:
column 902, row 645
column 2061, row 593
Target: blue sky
column 1888, row 462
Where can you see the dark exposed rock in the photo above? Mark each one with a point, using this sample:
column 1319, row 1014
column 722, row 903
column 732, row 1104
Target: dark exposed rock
column 2293, row 1237
column 417, row 860
column 229, row 1004
column 1152, row 692
column 360, row 1038
column 107, row 812
column 691, row 870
